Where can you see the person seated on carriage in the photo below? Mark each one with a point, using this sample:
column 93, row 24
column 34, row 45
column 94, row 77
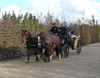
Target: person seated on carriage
column 74, row 39
column 73, row 36
column 54, row 29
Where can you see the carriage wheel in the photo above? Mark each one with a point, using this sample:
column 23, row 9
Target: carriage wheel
column 79, row 47
column 66, row 51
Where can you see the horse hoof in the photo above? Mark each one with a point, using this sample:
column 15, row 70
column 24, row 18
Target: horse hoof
column 27, row 61
column 48, row 60
column 37, row 59
column 44, row 60
column 40, row 56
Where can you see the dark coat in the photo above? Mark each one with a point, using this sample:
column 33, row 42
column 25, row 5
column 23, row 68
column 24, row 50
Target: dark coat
column 54, row 29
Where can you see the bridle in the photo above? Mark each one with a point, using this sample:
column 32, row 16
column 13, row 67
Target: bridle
column 26, row 35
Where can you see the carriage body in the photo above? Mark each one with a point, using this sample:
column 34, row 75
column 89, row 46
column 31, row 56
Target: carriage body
column 64, row 34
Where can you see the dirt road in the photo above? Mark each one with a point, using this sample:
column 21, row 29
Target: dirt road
column 84, row 65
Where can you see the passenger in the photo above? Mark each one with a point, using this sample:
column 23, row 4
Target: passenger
column 75, row 39
column 54, row 29
column 73, row 35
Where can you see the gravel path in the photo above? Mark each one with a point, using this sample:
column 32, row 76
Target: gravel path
column 84, row 65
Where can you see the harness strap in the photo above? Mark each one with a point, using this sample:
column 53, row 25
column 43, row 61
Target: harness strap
column 50, row 41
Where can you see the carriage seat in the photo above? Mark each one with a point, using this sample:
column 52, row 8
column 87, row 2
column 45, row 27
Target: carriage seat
column 75, row 42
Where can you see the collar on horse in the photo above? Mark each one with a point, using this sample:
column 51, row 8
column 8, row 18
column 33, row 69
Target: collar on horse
column 32, row 37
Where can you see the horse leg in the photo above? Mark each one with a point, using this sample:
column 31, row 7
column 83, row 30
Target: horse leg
column 28, row 54
column 35, row 50
column 40, row 49
column 49, row 54
column 51, row 57
column 43, row 50
column 59, row 51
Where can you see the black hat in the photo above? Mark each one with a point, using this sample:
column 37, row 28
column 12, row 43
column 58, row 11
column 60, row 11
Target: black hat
column 72, row 32
column 54, row 23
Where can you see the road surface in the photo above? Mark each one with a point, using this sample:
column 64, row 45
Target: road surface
column 84, row 65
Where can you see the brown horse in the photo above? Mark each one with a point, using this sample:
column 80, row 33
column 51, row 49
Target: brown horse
column 48, row 43
column 31, row 42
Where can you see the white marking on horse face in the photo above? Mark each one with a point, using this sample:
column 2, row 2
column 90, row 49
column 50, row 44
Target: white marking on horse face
column 39, row 44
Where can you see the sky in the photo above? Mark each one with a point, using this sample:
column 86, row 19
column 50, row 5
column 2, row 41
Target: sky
column 64, row 9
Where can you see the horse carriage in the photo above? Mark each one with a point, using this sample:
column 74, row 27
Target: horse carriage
column 64, row 34
column 48, row 43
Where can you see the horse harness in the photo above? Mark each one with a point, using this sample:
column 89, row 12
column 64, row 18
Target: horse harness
column 32, row 42
column 45, row 42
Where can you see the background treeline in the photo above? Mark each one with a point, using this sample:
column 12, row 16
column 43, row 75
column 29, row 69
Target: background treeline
column 11, row 26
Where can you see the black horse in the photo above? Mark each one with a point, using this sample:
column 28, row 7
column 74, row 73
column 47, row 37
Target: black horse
column 31, row 42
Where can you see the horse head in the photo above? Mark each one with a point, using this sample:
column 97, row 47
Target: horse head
column 41, row 38
column 26, row 35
